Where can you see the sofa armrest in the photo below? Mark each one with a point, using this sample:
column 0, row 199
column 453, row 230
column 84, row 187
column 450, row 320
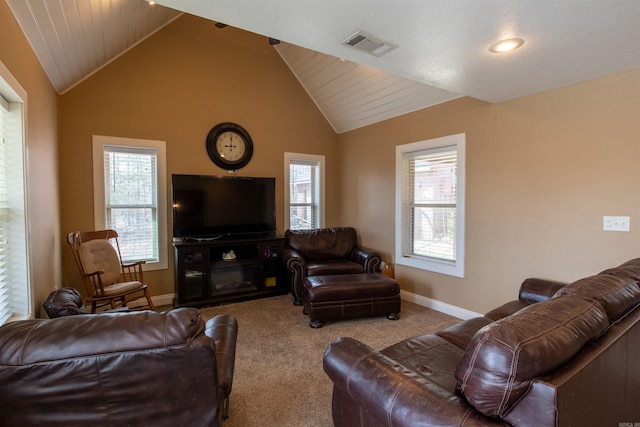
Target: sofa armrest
column 293, row 261
column 368, row 258
column 537, row 290
column 223, row 330
column 391, row 393
column 296, row 272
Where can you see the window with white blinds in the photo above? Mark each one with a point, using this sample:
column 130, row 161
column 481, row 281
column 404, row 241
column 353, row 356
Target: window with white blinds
column 304, row 200
column 131, row 200
column 15, row 287
column 430, row 205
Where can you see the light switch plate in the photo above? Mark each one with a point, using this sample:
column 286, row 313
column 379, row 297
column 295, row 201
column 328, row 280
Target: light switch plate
column 615, row 223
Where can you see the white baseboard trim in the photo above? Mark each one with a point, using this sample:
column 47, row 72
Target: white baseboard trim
column 158, row 300
column 443, row 307
column 440, row 306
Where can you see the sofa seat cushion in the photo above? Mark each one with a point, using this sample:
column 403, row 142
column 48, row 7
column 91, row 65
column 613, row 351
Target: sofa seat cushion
column 333, row 266
column 617, row 294
column 429, row 356
column 505, row 356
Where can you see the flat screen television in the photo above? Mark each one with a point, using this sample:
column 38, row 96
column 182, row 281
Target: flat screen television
column 212, row 207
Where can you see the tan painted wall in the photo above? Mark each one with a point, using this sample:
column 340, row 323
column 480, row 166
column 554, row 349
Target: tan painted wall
column 175, row 87
column 542, row 170
column 42, row 166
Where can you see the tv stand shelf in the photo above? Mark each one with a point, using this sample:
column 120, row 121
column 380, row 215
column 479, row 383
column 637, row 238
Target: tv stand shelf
column 204, row 277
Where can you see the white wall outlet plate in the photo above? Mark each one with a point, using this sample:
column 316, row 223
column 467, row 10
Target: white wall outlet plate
column 616, row 223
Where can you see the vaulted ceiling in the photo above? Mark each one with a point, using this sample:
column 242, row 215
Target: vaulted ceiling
column 438, row 49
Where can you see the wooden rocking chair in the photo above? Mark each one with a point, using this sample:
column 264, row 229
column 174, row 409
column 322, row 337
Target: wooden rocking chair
column 106, row 279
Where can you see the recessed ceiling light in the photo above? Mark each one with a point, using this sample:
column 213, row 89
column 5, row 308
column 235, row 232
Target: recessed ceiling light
column 506, row 45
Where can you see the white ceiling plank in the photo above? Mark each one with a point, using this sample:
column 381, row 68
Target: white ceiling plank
column 442, row 46
column 352, row 95
column 74, row 38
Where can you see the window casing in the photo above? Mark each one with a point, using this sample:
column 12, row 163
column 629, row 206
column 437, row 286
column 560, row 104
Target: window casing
column 15, row 284
column 430, row 178
column 304, row 193
column 130, row 196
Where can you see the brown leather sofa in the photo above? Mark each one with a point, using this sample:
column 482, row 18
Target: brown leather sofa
column 119, row 369
column 68, row 302
column 64, row 302
column 558, row 356
column 323, row 252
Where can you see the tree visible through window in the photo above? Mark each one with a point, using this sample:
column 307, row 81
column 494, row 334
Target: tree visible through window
column 131, row 200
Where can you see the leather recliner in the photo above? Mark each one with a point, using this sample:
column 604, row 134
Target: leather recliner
column 68, row 302
column 322, row 252
column 135, row 369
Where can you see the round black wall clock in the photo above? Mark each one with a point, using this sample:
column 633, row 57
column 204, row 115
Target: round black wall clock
column 229, row 146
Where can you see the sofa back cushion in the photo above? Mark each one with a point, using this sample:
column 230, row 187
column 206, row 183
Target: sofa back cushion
column 617, row 293
column 630, row 269
column 39, row 340
column 505, row 356
column 323, row 243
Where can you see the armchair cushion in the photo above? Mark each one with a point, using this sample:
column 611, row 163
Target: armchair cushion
column 332, row 267
column 99, row 255
column 118, row 288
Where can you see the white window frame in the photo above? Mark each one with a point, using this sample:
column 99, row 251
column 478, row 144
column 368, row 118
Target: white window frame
column 99, row 196
column 455, row 268
column 20, row 302
column 290, row 158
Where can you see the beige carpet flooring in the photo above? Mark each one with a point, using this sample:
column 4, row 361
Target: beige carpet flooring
column 279, row 380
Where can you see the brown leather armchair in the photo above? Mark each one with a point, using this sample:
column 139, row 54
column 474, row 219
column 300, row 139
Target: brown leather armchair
column 135, row 369
column 324, row 251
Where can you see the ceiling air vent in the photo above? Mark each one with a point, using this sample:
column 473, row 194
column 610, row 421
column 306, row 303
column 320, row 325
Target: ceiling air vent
column 364, row 42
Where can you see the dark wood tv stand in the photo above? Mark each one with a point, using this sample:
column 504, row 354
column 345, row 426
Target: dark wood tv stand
column 203, row 277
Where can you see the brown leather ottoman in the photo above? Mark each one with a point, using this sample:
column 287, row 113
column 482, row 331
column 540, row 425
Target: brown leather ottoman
column 347, row 296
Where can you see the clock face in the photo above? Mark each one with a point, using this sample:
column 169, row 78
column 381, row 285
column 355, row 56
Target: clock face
column 229, row 146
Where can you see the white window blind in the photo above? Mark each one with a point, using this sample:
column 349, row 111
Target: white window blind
column 5, row 290
column 131, row 200
column 430, row 203
column 14, row 272
column 304, row 174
